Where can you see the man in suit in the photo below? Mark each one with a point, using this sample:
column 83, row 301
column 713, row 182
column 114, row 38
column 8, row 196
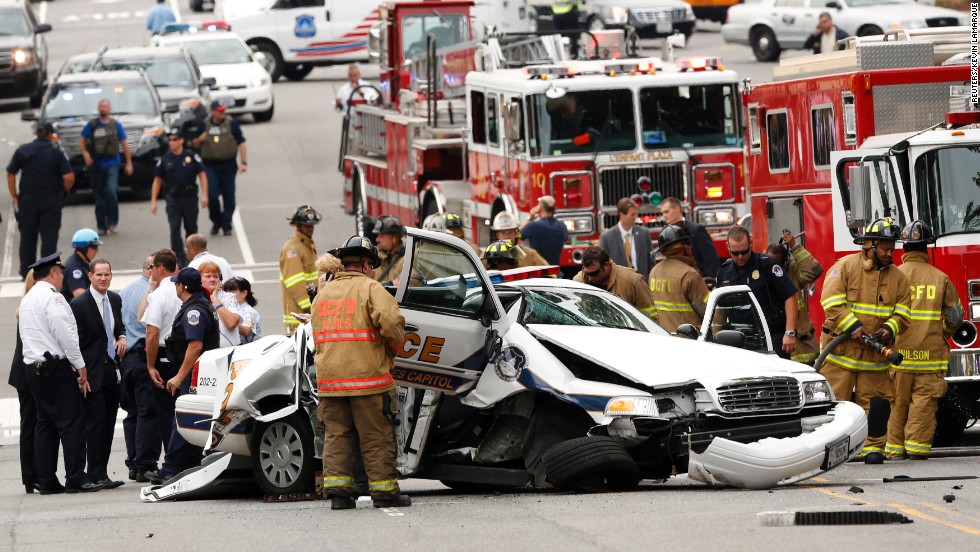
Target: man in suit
column 705, row 254
column 102, row 338
column 824, row 37
column 627, row 244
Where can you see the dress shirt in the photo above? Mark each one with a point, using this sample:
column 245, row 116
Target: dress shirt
column 161, row 307
column 47, row 324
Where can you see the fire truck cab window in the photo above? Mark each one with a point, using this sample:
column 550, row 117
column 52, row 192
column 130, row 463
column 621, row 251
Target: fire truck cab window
column 492, row 135
column 885, row 199
column 448, row 30
column 581, row 123
column 443, row 279
column 948, row 190
column 689, row 116
column 822, row 129
column 777, row 130
column 478, row 108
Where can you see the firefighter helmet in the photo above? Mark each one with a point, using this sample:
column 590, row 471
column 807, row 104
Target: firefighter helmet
column 388, row 224
column 504, row 221
column 436, row 223
column 503, row 249
column 880, row 229
column 672, row 234
column 305, row 214
column 355, row 249
column 917, row 232
column 453, row 221
column 86, row 237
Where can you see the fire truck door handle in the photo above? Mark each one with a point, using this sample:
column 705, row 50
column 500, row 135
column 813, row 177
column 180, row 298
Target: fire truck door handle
column 411, row 328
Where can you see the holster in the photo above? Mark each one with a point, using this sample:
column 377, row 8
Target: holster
column 46, row 368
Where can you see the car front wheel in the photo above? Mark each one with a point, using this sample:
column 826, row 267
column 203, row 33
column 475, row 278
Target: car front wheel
column 764, row 44
column 591, row 464
column 272, row 51
column 282, row 456
column 264, row 116
column 297, row 72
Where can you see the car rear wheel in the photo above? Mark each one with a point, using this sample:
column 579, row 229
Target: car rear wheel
column 282, row 456
column 591, row 464
column 764, row 44
column 297, row 72
column 278, row 66
column 264, row 116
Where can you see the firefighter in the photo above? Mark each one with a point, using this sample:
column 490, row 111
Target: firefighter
column 503, row 255
column 565, row 15
column 679, row 291
column 864, row 293
column 802, row 270
column 505, row 227
column 598, row 270
column 357, row 328
column 297, row 266
column 919, row 381
column 391, row 232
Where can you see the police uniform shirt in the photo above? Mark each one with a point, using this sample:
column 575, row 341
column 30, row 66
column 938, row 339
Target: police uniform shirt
column 76, row 276
column 162, row 306
column 195, row 322
column 43, row 165
column 47, row 325
column 179, row 171
column 768, row 281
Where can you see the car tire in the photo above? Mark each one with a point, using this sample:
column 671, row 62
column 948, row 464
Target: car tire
column 197, row 5
column 952, row 416
column 764, row 44
column 282, row 456
column 475, row 488
column 278, row 65
column 591, row 464
column 264, row 116
column 870, row 30
column 297, row 72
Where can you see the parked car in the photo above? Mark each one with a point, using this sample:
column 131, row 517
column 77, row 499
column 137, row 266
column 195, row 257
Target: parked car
column 72, row 100
column 650, row 18
column 771, row 26
column 507, row 382
column 23, row 52
column 240, row 80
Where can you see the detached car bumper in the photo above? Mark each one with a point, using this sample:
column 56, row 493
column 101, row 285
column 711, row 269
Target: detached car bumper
column 246, row 100
column 777, row 461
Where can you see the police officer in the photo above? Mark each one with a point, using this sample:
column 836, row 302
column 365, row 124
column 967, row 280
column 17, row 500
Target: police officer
column 194, row 331
column 598, row 270
column 390, row 235
column 220, row 142
column 297, row 266
column 769, row 283
column 100, row 143
column 803, row 270
column 87, row 244
column 356, row 327
column 505, row 227
column 679, row 291
column 863, row 293
column 57, row 378
column 175, row 174
column 45, row 177
column 566, row 18
column 919, row 381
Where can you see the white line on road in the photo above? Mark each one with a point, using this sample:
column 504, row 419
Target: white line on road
column 42, row 12
column 8, row 245
column 236, row 223
column 174, row 5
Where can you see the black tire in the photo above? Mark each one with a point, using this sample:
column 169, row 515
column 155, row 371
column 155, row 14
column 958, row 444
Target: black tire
column 591, row 464
column 764, row 44
column 278, row 65
column 951, row 418
column 282, row 456
column 297, row 72
column 35, row 100
column 870, row 30
column 475, row 488
column 197, row 5
column 264, row 116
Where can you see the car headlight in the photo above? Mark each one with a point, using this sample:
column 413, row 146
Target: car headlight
column 907, row 24
column 259, row 82
column 632, row 406
column 151, row 133
column 577, row 224
column 189, row 104
column 817, row 391
column 724, row 216
column 23, row 56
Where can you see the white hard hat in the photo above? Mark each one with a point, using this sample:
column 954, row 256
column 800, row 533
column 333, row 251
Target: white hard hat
column 504, row 221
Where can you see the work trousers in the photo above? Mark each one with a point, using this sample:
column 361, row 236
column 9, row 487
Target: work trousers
column 60, row 417
column 181, row 455
column 807, row 350
column 221, row 184
column 28, row 423
column 569, row 22
column 105, row 188
column 364, row 420
column 865, row 385
column 143, row 440
column 181, row 209
column 912, row 423
column 38, row 214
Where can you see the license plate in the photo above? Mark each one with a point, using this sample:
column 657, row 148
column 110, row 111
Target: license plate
column 836, row 453
column 665, row 28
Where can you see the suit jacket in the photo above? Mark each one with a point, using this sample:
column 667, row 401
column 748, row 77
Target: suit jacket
column 705, row 254
column 612, row 242
column 91, row 334
column 813, row 41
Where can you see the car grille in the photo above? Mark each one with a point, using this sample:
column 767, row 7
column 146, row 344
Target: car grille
column 659, row 15
column 6, row 61
column 943, row 22
column 224, row 87
column 617, row 182
column 760, row 395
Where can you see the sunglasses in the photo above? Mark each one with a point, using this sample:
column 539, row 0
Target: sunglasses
column 593, row 273
column 740, row 253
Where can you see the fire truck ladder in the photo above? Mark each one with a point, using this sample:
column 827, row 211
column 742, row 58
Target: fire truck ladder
column 519, row 50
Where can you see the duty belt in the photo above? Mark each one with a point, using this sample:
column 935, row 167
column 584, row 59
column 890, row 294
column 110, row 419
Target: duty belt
column 46, row 367
column 183, row 191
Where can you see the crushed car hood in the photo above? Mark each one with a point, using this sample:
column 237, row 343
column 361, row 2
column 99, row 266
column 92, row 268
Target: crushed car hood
column 659, row 361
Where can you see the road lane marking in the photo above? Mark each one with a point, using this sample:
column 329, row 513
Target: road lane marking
column 42, row 12
column 944, row 510
column 236, row 223
column 839, row 495
column 176, row 8
column 8, row 245
column 909, row 511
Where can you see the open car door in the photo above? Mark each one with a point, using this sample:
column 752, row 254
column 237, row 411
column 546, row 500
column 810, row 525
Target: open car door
column 735, row 308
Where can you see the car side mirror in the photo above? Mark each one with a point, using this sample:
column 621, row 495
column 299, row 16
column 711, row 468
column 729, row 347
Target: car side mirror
column 169, row 107
column 859, row 192
column 42, row 28
column 208, row 81
column 28, row 115
column 688, row 331
column 488, row 312
column 833, row 5
column 731, row 338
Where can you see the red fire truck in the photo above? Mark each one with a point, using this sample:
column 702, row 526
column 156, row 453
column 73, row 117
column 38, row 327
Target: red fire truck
column 473, row 134
column 861, row 112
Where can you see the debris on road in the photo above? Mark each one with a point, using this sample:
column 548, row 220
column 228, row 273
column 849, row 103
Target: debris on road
column 840, row 517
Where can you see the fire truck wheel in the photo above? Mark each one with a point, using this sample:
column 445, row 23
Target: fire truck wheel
column 764, row 44
column 272, row 51
column 297, row 72
column 282, row 456
column 870, row 30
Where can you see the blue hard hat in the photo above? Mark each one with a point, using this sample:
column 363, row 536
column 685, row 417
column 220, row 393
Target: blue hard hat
column 84, row 238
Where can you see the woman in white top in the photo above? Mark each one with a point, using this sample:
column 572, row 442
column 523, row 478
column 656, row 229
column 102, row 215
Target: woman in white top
column 250, row 327
column 226, row 304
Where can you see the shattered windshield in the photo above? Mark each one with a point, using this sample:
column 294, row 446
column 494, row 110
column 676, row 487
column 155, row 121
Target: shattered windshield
column 576, row 307
column 948, row 189
column 574, row 123
column 689, row 116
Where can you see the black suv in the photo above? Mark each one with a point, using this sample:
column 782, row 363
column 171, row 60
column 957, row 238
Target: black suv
column 72, row 100
column 23, row 52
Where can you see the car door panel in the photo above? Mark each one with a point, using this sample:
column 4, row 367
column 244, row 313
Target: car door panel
column 735, row 308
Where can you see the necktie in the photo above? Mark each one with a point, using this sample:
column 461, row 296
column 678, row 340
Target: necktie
column 110, row 342
column 629, row 251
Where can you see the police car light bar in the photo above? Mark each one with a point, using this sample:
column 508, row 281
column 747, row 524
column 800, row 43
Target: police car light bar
column 176, row 28
column 526, row 273
column 543, row 72
column 700, row 64
column 645, row 67
column 218, row 25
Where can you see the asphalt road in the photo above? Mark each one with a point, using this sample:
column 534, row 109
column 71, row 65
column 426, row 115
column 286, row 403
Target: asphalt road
column 292, row 162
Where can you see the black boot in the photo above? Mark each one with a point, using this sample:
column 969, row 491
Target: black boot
column 391, row 501
column 342, row 503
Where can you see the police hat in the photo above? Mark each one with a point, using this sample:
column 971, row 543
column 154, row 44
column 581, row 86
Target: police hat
column 44, row 126
column 53, row 259
column 188, row 277
column 174, row 131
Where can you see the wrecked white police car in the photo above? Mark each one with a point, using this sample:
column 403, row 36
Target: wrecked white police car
column 509, row 382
